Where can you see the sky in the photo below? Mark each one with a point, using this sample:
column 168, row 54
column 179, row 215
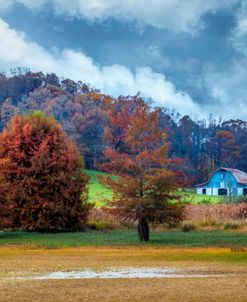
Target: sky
column 186, row 55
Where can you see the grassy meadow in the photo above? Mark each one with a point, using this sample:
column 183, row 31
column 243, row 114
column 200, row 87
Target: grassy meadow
column 190, row 196
column 97, row 193
column 124, row 237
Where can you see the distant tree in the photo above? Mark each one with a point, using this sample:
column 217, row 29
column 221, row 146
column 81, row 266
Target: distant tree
column 3, row 87
column 81, row 116
column 239, row 129
column 52, row 79
column 223, row 149
column 145, row 189
column 89, row 121
column 69, row 86
column 7, row 111
column 41, row 175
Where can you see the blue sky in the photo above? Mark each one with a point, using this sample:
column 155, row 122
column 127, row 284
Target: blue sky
column 187, row 55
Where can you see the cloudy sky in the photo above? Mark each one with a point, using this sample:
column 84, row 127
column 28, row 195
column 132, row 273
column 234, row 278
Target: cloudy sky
column 188, row 55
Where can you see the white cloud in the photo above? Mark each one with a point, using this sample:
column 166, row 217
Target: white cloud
column 16, row 50
column 228, row 90
column 177, row 15
column 228, row 87
column 239, row 33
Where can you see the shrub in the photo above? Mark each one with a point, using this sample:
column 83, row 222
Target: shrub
column 100, row 226
column 187, row 227
column 238, row 249
column 41, row 171
column 231, row 226
column 205, row 201
column 234, row 200
column 209, row 223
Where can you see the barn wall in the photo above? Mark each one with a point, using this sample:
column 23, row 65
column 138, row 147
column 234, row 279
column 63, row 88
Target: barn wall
column 240, row 191
column 199, row 191
column 215, row 191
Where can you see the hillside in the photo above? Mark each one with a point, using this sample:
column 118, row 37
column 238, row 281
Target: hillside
column 83, row 113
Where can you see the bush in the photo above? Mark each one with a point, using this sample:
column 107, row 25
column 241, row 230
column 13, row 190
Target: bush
column 41, row 175
column 234, row 200
column 205, row 201
column 100, row 226
column 187, row 227
column 231, row 226
column 210, row 223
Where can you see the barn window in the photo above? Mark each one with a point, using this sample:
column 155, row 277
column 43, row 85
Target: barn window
column 204, row 191
column 222, row 191
column 245, row 191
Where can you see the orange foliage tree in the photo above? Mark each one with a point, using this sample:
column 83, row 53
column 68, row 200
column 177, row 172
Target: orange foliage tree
column 4, row 212
column 41, row 176
column 136, row 151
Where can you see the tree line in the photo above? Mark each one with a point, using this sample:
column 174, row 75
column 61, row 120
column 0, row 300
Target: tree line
column 84, row 112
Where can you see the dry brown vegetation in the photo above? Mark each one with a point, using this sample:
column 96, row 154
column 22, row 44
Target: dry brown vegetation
column 214, row 216
column 217, row 216
column 15, row 261
column 156, row 290
column 216, row 212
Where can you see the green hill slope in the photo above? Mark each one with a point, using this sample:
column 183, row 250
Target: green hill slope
column 98, row 193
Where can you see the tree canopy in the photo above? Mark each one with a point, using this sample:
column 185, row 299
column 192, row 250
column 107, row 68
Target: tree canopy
column 136, row 150
column 41, row 175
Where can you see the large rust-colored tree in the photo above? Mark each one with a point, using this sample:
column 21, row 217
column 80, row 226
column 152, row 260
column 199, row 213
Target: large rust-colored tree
column 41, row 175
column 136, row 151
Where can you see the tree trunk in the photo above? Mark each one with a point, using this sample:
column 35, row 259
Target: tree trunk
column 143, row 229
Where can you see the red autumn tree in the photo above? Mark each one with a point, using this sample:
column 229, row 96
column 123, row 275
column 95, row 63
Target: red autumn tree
column 41, row 175
column 4, row 211
column 136, row 151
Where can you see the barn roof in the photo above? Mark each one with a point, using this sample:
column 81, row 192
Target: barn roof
column 240, row 176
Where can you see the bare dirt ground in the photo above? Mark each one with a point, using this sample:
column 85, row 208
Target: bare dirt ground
column 227, row 270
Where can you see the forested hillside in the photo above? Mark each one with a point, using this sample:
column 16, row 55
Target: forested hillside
column 83, row 112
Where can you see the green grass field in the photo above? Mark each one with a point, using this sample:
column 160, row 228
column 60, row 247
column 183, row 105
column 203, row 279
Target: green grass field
column 190, row 196
column 124, row 237
column 98, row 193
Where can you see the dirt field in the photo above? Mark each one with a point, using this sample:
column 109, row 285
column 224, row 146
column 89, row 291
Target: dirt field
column 227, row 270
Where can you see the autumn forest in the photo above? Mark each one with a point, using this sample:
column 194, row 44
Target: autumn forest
column 83, row 112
